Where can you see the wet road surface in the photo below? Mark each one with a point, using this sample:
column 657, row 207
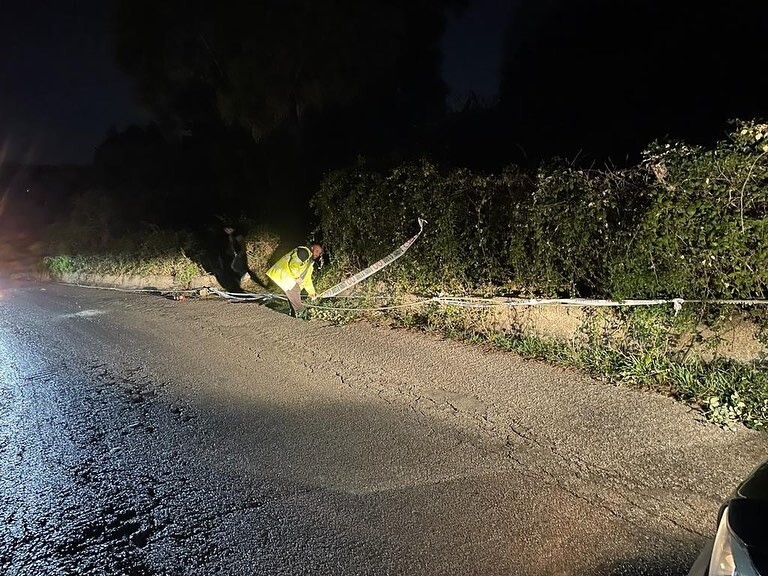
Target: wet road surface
column 140, row 435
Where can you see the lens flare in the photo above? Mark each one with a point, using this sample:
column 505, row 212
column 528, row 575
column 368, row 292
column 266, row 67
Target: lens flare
column 3, row 202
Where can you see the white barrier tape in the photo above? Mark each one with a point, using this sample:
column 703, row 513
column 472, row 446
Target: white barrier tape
column 246, row 296
column 459, row 301
column 479, row 303
column 487, row 303
column 677, row 303
column 469, row 302
column 735, row 302
column 136, row 290
column 375, row 267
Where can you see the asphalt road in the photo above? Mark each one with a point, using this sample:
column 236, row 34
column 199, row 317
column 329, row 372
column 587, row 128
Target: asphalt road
column 139, row 435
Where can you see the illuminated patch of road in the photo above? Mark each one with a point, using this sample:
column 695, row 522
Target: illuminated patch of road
column 84, row 314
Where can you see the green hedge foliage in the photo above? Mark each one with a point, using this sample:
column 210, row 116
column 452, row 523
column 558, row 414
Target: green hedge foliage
column 686, row 222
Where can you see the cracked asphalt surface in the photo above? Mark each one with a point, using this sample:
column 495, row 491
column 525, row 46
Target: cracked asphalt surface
column 141, row 435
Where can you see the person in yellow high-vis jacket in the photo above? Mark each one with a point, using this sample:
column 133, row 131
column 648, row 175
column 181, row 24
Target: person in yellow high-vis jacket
column 294, row 272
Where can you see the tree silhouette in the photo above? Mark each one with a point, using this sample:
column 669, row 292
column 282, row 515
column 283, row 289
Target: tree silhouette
column 336, row 78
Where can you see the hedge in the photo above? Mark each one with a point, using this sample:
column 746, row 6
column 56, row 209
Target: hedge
column 686, row 222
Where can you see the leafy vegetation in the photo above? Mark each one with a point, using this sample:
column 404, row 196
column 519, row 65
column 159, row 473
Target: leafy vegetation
column 686, row 222
column 86, row 242
column 705, row 232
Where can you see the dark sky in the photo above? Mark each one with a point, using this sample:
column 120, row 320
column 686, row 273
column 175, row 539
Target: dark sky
column 60, row 91
column 603, row 78
column 472, row 50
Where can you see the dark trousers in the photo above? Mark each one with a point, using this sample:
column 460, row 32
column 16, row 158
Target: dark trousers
column 294, row 297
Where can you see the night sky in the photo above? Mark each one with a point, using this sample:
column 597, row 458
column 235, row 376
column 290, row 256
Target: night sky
column 60, row 90
column 472, row 51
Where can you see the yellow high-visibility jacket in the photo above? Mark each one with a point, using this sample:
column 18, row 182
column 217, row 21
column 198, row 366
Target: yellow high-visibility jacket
column 290, row 270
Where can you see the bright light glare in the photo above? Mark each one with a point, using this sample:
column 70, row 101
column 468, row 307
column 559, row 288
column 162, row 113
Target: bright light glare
column 3, row 202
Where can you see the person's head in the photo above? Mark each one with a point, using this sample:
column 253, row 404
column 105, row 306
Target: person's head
column 317, row 251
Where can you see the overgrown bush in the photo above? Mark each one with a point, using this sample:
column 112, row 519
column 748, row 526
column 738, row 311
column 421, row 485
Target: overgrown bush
column 687, row 222
column 259, row 245
column 705, row 232
column 90, row 240
column 571, row 227
column 88, row 227
column 364, row 214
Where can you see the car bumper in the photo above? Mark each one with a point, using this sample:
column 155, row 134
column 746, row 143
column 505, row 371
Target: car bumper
column 701, row 566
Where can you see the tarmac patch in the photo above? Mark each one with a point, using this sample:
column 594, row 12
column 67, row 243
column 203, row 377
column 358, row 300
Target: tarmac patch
column 84, row 314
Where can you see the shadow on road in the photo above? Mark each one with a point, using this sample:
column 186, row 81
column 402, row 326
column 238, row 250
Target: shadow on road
column 674, row 563
column 259, row 458
column 351, row 459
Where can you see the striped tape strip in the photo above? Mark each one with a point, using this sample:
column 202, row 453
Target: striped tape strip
column 470, row 302
column 373, row 268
